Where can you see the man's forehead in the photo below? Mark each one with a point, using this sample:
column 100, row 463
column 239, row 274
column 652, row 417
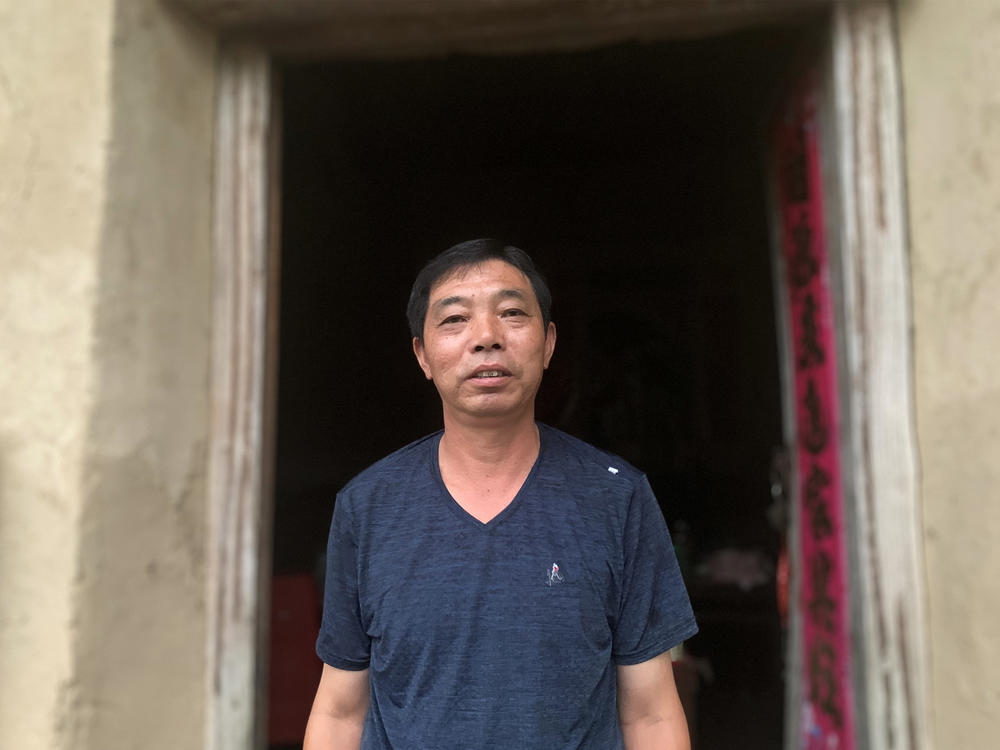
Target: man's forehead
column 515, row 281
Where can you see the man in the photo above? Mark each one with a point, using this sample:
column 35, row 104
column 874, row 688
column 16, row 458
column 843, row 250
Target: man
column 498, row 584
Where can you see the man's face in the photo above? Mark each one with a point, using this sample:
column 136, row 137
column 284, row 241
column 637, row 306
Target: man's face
column 485, row 345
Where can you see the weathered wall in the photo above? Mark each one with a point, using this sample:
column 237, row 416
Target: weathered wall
column 105, row 184
column 106, row 124
column 951, row 88
column 54, row 105
column 141, row 643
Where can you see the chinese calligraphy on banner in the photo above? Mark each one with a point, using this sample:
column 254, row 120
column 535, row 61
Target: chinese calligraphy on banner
column 827, row 710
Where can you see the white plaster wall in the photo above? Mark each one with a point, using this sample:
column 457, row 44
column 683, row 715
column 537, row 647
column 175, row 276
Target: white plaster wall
column 54, row 117
column 106, row 129
column 951, row 87
column 140, row 656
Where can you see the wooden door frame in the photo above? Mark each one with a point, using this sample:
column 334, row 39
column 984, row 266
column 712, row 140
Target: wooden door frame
column 244, row 380
column 868, row 247
column 868, row 232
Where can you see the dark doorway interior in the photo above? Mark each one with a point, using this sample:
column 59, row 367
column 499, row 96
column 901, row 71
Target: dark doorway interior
column 634, row 175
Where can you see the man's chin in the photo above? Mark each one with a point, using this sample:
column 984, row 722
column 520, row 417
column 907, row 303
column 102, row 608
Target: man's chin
column 495, row 409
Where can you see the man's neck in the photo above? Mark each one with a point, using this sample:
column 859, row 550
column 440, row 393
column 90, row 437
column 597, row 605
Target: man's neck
column 475, row 448
column 484, row 466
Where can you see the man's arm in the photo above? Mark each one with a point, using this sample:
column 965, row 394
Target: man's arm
column 649, row 708
column 338, row 711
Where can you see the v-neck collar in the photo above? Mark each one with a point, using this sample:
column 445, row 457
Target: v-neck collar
column 508, row 509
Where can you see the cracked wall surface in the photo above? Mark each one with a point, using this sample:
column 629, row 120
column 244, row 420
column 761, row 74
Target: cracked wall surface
column 951, row 87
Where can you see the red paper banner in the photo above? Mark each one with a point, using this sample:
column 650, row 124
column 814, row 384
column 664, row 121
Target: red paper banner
column 823, row 599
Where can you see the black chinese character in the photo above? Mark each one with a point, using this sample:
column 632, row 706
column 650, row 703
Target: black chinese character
column 819, row 515
column 811, row 353
column 822, row 607
column 814, row 431
column 823, row 681
column 802, row 265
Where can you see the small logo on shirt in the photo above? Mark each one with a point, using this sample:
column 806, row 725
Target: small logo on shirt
column 554, row 575
column 612, row 469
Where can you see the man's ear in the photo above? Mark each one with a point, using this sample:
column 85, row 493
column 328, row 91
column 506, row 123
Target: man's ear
column 418, row 351
column 550, row 343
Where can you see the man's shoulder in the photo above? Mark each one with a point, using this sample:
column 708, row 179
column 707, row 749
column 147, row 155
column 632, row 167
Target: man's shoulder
column 398, row 468
column 582, row 462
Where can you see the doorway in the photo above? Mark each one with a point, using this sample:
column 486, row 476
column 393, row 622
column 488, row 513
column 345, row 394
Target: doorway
column 634, row 174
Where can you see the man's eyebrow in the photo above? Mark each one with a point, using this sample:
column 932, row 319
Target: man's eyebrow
column 510, row 294
column 445, row 301
column 458, row 299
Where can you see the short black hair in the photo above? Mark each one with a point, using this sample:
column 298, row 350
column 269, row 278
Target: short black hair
column 464, row 255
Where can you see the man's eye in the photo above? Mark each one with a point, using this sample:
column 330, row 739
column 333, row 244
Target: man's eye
column 512, row 312
column 452, row 319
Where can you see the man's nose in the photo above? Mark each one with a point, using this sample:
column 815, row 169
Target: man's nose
column 487, row 334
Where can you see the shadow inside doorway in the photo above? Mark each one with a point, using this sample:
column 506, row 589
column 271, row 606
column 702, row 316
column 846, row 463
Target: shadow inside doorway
column 634, row 175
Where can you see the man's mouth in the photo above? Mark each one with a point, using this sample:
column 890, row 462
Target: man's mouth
column 491, row 373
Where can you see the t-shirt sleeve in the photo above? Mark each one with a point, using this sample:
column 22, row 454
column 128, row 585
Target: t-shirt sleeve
column 343, row 641
column 655, row 612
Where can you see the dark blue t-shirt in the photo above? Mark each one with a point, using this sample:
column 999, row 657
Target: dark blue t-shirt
column 504, row 634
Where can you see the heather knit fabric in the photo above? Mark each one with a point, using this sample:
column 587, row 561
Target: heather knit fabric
column 504, row 634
